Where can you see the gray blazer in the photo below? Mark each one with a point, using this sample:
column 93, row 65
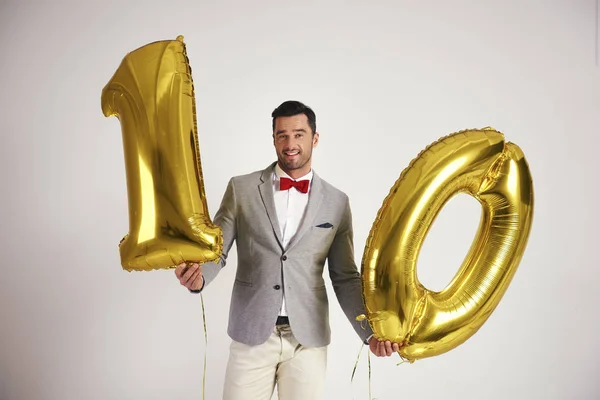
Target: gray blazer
column 247, row 215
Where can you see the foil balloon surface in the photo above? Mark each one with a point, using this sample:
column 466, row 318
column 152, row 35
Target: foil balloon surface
column 398, row 307
column 152, row 95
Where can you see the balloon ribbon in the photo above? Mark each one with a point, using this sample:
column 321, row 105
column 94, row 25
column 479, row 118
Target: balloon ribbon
column 206, row 346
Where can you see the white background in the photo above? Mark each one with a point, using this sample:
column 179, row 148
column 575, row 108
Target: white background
column 386, row 78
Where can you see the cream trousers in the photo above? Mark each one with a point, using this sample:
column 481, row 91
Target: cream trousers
column 253, row 371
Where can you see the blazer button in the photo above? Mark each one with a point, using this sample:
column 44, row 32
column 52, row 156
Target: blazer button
column 276, row 287
column 284, row 258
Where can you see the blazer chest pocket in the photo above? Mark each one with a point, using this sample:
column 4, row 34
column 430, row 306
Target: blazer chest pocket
column 323, row 233
column 325, row 228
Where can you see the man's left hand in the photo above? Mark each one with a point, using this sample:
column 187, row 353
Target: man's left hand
column 383, row 348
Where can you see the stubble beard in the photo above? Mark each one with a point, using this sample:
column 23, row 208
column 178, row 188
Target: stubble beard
column 294, row 165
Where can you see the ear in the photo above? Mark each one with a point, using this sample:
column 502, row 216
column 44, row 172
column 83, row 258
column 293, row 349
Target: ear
column 315, row 139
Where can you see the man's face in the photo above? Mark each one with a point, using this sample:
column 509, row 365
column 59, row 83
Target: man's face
column 294, row 141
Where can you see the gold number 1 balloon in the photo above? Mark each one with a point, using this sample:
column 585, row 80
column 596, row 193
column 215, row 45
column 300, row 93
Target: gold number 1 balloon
column 152, row 95
column 399, row 308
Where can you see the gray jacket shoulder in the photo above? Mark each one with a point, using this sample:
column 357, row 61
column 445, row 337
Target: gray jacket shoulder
column 242, row 183
column 333, row 192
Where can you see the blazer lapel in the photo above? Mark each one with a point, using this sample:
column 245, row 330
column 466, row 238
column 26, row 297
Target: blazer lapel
column 312, row 209
column 265, row 187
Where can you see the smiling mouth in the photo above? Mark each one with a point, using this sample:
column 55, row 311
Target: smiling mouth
column 291, row 154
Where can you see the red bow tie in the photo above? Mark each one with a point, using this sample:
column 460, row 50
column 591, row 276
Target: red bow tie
column 286, row 183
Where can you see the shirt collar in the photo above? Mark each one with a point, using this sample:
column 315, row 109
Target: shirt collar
column 278, row 173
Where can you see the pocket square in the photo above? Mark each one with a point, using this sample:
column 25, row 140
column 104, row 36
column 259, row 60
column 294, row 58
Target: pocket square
column 325, row 225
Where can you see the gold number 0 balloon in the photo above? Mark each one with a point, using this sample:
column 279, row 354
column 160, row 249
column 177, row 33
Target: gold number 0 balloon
column 399, row 308
column 152, row 94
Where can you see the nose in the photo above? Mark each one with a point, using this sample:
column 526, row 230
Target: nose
column 289, row 144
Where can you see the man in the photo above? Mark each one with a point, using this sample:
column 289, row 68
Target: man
column 287, row 222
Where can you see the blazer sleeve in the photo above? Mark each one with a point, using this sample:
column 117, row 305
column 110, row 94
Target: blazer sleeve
column 225, row 218
column 345, row 276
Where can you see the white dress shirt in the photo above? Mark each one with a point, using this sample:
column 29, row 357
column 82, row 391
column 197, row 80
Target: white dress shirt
column 290, row 206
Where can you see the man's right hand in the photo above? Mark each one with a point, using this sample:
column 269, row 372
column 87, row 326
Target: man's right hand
column 190, row 275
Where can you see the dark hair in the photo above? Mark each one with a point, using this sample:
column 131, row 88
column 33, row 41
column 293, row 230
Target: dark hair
column 290, row 108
